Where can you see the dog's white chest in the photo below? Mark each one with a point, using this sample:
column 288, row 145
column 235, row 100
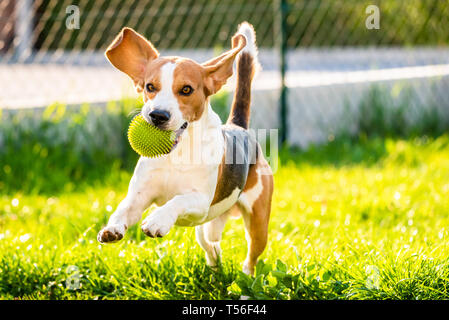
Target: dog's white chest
column 173, row 175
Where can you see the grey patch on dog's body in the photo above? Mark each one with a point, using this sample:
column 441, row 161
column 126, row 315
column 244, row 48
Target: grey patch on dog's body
column 239, row 153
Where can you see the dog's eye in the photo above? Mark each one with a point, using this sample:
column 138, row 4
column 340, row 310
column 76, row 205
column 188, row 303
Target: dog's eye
column 186, row 91
column 150, row 87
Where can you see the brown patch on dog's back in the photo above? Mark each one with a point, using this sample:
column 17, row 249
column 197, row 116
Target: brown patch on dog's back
column 252, row 177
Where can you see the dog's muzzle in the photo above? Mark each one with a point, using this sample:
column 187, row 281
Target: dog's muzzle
column 159, row 117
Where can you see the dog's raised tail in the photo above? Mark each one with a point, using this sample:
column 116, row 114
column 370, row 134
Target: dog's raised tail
column 247, row 66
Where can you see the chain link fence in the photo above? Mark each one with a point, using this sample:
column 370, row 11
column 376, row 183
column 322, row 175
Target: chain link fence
column 328, row 54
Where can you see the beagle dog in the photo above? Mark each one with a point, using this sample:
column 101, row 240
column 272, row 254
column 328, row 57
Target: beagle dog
column 213, row 170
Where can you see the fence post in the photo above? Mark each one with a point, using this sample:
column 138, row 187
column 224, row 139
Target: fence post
column 24, row 30
column 280, row 37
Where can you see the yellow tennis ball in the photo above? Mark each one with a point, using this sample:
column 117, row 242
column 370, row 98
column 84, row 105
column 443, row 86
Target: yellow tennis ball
column 148, row 140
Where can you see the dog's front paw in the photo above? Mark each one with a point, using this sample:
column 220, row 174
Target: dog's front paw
column 154, row 226
column 111, row 233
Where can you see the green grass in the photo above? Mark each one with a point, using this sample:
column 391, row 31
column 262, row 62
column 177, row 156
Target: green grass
column 365, row 219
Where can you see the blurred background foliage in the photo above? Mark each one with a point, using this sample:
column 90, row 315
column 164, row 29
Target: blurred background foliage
column 55, row 149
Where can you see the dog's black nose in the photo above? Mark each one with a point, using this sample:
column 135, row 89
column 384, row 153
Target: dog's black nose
column 159, row 117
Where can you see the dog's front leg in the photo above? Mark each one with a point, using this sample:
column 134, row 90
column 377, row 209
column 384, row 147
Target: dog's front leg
column 128, row 213
column 194, row 206
column 139, row 197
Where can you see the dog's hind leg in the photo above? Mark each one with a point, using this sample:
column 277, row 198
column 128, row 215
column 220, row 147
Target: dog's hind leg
column 255, row 204
column 208, row 236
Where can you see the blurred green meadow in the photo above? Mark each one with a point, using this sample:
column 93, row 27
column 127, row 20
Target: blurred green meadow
column 364, row 216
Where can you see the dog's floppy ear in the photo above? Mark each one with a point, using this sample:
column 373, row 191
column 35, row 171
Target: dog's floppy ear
column 130, row 52
column 219, row 69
